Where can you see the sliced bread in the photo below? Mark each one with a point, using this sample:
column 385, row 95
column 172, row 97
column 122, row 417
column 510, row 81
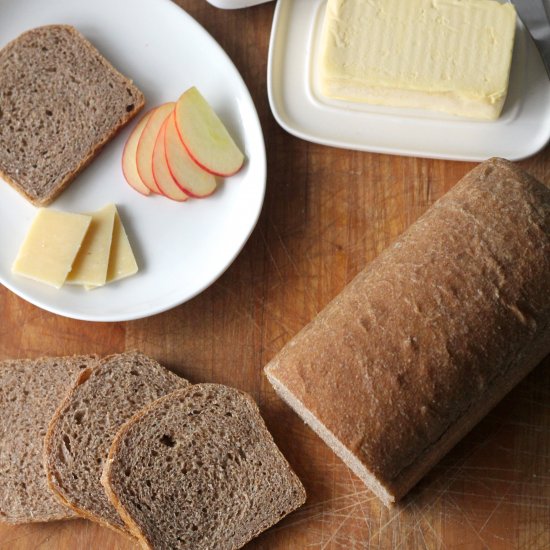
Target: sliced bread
column 30, row 391
column 198, row 470
column 427, row 339
column 85, row 424
column 60, row 102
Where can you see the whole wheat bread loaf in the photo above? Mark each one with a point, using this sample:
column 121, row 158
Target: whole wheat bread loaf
column 30, row 391
column 60, row 102
column 85, row 424
column 430, row 336
column 198, row 470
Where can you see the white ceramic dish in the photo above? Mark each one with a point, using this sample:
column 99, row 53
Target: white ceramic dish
column 235, row 4
column 181, row 248
column 522, row 130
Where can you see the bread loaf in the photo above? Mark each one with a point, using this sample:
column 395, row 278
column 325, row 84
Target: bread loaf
column 430, row 336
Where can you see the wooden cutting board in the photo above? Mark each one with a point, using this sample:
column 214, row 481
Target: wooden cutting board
column 327, row 214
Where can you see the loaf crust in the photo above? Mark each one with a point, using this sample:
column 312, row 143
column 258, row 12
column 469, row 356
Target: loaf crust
column 430, row 336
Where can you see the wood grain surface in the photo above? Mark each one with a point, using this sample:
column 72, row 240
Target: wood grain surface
column 327, row 213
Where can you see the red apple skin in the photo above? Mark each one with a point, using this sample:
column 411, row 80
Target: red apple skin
column 171, row 131
column 144, row 152
column 206, row 169
column 184, row 140
column 164, row 180
column 136, row 184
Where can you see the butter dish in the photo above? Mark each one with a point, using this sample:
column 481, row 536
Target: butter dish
column 301, row 108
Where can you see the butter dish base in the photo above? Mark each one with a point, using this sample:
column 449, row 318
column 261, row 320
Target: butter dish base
column 301, row 109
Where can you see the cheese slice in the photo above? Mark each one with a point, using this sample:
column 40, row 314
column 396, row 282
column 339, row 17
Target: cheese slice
column 122, row 262
column 446, row 55
column 92, row 261
column 51, row 245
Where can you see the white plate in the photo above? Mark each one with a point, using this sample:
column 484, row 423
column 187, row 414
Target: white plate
column 522, row 130
column 181, row 248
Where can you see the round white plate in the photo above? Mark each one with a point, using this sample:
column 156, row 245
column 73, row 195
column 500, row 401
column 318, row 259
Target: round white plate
column 299, row 107
column 181, row 248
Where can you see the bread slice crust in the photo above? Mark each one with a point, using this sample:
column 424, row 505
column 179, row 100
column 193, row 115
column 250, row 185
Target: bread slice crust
column 83, row 426
column 430, row 336
column 30, row 391
column 61, row 101
column 223, row 480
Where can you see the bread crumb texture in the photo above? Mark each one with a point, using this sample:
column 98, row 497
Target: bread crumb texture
column 60, row 102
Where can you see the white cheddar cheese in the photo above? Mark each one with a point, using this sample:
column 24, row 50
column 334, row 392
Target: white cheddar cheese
column 447, row 55
column 92, row 261
column 51, row 245
column 122, row 262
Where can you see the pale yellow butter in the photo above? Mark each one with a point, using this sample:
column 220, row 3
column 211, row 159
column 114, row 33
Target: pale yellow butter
column 92, row 261
column 446, row 55
column 122, row 262
column 51, row 245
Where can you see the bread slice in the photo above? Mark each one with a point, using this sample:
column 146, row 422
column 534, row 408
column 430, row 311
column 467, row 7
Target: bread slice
column 197, row 470
column 430, row 336
column 30, row 391
column 84, row 425
column 60, row 102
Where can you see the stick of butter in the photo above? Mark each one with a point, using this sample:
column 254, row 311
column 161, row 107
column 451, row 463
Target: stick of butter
column 92, row 261
column 447, row 55
column 51, row 245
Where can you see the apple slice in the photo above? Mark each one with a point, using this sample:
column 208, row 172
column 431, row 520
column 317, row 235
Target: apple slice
column 144, row 153
column 163, row 178
column 129, row 166
column 187, row 174
column 205, row 137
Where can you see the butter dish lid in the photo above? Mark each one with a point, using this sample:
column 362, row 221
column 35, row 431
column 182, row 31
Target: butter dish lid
column 235, row 4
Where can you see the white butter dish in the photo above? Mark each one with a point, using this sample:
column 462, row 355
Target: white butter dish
column 301, row 109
